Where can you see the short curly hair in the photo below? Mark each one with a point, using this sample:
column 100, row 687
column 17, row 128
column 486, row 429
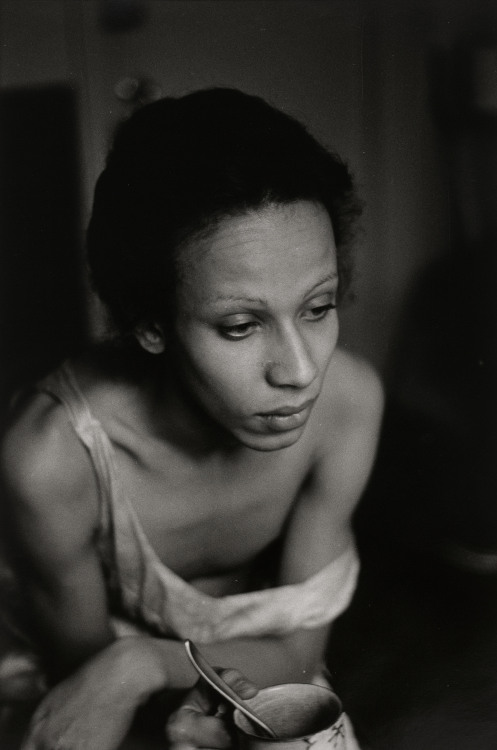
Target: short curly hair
column 177, row 167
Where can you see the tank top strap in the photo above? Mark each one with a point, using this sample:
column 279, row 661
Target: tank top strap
column 62, row 386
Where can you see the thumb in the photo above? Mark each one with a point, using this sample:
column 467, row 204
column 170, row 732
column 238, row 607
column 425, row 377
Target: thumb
column 204, row 699
column 199, row 720
column 237, row 681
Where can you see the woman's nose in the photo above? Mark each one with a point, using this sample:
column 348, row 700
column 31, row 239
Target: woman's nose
column 291, row 363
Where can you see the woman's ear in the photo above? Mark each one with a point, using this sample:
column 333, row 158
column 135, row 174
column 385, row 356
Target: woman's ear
column 151, row 338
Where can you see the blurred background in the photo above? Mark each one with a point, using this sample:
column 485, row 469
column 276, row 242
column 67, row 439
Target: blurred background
column 406, row 92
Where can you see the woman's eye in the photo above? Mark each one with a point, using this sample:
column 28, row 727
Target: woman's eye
column 320, row 311
column 238, row 330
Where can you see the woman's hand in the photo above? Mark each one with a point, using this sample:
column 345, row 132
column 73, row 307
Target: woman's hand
column 94, row 708
column 201, row 720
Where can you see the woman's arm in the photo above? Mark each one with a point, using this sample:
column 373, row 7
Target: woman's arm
column 350, row 413
column 51, row 513
column 51, row 510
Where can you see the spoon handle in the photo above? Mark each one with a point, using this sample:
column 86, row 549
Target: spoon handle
column 205, row 670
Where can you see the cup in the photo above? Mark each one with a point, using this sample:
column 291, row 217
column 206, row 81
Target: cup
column 301, row 716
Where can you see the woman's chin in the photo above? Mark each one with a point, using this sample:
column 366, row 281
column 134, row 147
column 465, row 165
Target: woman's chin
column 271, row 441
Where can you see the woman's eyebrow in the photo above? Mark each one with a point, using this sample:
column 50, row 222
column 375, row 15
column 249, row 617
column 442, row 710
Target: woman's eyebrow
column 239, row 298
column 329, row 277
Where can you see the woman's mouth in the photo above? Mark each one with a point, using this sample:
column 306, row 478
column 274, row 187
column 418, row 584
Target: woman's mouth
column 287, row 417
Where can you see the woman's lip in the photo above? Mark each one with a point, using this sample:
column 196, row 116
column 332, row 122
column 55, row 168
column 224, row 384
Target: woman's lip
column 286, row 411
column 286, row 418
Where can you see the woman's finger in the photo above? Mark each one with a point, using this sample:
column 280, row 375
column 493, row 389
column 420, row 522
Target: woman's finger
column 189, row 726
column 238, row 682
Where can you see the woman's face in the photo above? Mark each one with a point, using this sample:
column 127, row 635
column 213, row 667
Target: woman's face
column 256, row 324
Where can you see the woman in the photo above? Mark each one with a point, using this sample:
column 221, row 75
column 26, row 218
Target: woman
column 196, row 478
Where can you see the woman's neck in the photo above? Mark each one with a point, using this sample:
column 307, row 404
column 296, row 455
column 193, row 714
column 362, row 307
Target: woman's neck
column 160, row 405
column 173, row 414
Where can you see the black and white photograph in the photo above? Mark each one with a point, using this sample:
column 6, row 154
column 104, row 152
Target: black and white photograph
column 248, row 390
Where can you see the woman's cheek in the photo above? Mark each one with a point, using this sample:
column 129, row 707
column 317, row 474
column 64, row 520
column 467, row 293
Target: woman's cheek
column 224, row 366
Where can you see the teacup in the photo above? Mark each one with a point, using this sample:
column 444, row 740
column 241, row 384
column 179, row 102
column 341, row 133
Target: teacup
column 301, row 716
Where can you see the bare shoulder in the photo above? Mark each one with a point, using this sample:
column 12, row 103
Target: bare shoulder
column 45, row 470
column 347, row 426
column 352, row 393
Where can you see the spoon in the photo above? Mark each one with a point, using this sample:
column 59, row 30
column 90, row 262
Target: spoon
column 215, row 681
